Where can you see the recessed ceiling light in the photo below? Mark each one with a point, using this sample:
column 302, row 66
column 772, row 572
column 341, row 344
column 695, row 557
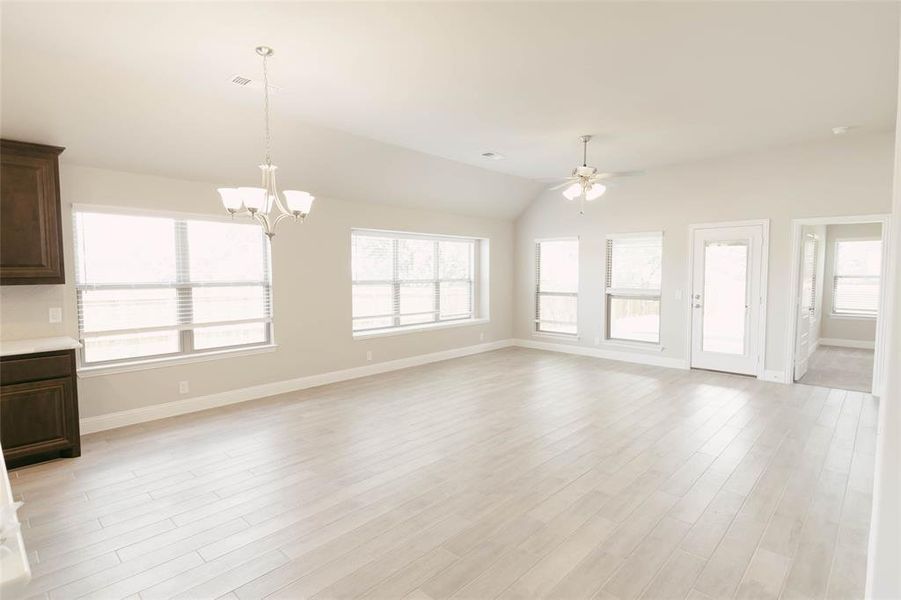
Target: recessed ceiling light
column 492, row 155
column 843, row 129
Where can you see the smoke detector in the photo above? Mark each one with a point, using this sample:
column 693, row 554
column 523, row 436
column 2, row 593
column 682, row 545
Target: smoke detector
column 492, row 155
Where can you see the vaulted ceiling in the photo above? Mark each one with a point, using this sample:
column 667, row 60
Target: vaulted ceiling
column 395, row 102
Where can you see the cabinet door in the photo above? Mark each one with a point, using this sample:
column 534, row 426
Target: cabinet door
column 30, row 224
column 37, row 417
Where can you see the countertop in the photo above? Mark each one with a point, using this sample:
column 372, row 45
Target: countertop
column 33, row 346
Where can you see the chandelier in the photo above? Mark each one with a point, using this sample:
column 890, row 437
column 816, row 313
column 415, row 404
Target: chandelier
column 259, row 202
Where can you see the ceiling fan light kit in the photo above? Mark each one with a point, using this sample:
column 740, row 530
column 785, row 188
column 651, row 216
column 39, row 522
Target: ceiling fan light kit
column 258, row 202
column 595, row 191
column 573, row 191
column 584, row 183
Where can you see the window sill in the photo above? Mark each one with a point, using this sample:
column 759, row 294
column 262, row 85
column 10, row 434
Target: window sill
column 626, row 344
column 851, row 317
column 556, row 336
column 365, row 335
column 155, row 363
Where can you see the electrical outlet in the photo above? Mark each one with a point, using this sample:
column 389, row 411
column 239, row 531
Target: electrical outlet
column 56, row 315
column 678, row 294
column 481, row 336
column 369, row 355
column 597, row 341
column 183, row 387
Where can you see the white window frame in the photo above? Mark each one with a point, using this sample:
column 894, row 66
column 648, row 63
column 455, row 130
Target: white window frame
column 476, row 282
column 841, row 314
column 630, row 293
column 187, row 352
column 539, row 293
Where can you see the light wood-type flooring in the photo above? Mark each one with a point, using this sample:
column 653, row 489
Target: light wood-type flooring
column 512, row 474
column 842, row 368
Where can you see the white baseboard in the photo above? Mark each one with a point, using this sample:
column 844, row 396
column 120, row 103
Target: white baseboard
column 189, row 405
column 774, row 376
column 631, row 357
column 866, row 345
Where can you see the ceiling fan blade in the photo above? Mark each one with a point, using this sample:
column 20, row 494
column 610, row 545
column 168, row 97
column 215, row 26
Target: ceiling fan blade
column 617, row 174
column 566, row 183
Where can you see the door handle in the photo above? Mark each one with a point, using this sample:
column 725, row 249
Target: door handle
column 697, row 305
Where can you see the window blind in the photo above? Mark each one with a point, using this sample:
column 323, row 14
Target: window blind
column 557, row 286
column 634, row 262
column 156, row 285
column 855, row 284
column 400, row 280
column 634, row 265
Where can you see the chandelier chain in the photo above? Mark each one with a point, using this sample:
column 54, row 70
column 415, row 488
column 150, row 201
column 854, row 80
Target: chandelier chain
column 266, row 108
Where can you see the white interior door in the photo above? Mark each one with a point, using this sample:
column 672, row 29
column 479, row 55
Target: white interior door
column 806, row 305
column 727, row 298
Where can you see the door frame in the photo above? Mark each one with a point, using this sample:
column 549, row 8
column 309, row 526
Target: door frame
column 764, row 284
column 886, row 292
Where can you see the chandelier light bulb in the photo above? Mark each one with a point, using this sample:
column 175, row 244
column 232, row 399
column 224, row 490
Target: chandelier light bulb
column 231, row 199
column 254, row 198
column 299, row 203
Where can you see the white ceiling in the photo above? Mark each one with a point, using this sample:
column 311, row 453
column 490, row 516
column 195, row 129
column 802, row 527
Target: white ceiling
column 367, row 88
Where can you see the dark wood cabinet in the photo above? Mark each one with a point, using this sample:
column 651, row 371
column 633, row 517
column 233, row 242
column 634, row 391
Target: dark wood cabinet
column 31, row 241
column 38, row 407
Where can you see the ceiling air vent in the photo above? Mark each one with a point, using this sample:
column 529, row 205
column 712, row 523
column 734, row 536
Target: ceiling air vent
column 241, row 81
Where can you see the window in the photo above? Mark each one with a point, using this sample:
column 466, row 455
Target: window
column 404, row 280
column 165, row 286
column 855, row 285
column 633, row 287
column 557, row 286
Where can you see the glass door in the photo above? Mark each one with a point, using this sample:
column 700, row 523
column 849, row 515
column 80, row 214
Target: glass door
column 726, row 293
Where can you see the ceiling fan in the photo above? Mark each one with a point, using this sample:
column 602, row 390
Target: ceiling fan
column 585, row 182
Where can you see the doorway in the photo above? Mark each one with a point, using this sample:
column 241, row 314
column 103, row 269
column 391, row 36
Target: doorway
column 811, row 291
column 728, row 296
column 837, row 294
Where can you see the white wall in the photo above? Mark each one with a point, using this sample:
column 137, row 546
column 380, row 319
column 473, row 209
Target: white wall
column 848, row 175
column 837, row 327
column 884, row 552
column 311, row 286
